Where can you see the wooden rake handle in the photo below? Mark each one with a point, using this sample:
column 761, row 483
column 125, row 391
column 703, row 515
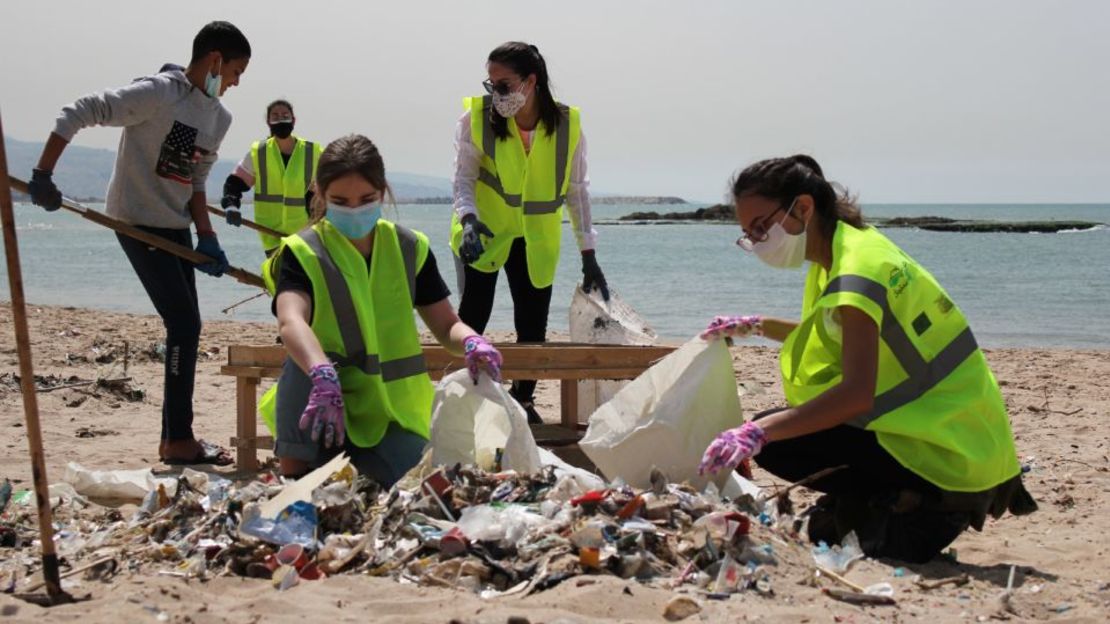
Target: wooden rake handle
column 181, row 251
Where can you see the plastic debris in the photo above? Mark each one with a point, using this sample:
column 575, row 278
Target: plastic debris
column 838, row 558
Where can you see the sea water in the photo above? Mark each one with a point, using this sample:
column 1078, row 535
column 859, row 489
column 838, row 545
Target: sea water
column 1045, row 290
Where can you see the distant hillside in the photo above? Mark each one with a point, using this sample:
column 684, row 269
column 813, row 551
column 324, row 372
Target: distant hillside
column 84, row 173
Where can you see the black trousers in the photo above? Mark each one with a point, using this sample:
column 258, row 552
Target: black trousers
column 531, row 305
column 894, row 512
column 170, row 282
column 869, row 467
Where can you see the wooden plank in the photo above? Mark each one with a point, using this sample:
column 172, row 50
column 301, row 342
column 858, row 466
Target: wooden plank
column 507, row 372
column 254, row 372
column 554, row 435
column 557, row 355
column 568, row 404
column 264, row 443
column 246, row 426
column 545, row 356
column 269, row 356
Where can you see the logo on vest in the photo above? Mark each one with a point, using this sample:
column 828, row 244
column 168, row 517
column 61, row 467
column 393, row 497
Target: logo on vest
column 900, row 278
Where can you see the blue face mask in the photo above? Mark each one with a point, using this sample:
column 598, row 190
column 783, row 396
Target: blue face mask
column 212, row 83
column 354, row 223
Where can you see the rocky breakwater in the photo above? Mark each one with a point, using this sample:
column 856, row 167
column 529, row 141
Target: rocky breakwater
column 723, row 213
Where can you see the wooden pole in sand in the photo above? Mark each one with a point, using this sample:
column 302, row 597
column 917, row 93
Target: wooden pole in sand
column 27, row 382
column 181, row 251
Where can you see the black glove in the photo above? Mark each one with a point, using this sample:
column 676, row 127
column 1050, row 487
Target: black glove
column 230, row 204
column 473, row 229
column 232, row 199
column 209, row 245
column 592, row 277
column 43, row 191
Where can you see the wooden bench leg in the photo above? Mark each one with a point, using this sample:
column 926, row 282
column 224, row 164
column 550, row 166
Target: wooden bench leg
column 569, row 404
column 246, row 429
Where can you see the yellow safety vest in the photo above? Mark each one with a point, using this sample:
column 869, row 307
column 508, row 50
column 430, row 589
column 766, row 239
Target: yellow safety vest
column 365, row 324
column 279, row 189
column 938, row 409
column 520, row 193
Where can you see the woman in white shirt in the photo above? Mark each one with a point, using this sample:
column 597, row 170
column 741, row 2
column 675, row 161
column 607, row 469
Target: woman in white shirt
column 520, row 157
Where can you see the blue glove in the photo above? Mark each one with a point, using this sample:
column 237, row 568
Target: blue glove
column 471, row 248
column 209, row 245
column 230, row 204
column 43, row 191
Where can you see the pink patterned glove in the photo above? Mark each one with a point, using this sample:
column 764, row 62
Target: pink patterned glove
column 324, row 412
column 733, row 326
column 733, row 446
column 480, row 354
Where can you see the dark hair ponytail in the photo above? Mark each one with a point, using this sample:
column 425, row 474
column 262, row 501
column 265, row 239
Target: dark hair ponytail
column 353, row 153
column 783, row 179
column 525, row 59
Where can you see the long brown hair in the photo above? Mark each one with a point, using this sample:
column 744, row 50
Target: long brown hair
column 783, row 179
column 353, row 153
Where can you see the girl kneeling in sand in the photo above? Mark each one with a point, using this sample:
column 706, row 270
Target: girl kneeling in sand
column 345, row 288
column 882, row 376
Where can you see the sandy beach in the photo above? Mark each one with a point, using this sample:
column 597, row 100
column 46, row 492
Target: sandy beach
column 1058, row 404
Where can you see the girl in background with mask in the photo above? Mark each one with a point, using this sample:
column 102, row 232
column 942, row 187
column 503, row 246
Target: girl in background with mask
column 280, row 170
column 346, row 287
column 520, row 156
column 882, row 376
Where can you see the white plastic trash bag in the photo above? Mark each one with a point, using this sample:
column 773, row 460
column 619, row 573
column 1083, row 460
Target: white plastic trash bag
column 666, row 417
column 596, row 321
column 116, row 484
column 471, row 422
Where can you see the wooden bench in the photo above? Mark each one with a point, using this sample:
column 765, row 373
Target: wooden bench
column 566, row 362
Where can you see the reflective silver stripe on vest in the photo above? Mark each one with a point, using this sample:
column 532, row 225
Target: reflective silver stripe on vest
column 342, row 303
column 489, row 139
column 407, row 240
column 309, row 165
column 347, row 317
column 922, row 376
column 264, row 176
column 950, row 357
column 492, row 181
column 892, row 332
column 562, row 151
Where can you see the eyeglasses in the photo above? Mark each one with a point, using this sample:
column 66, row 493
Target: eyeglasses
column 758, row 233
column 502, row 87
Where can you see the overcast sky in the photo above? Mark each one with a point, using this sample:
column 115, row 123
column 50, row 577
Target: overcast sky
column 939, row 101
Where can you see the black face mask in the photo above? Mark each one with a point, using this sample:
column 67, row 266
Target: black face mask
column 282, row 129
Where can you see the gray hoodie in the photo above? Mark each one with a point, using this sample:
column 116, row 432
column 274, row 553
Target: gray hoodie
column 171, row 134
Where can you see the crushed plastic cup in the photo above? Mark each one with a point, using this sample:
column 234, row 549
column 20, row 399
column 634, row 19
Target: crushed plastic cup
column 839, row 558
column 284, row 577
column 729, row 577
column 880, row 589
column 292, row 555
column 453, row 542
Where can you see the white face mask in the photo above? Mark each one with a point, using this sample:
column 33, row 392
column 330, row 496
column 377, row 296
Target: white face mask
column 782, row 249
column 510, row 104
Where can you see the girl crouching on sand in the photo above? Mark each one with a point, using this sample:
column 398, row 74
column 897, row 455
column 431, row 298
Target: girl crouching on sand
column 345, row 288
column 882, row 376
